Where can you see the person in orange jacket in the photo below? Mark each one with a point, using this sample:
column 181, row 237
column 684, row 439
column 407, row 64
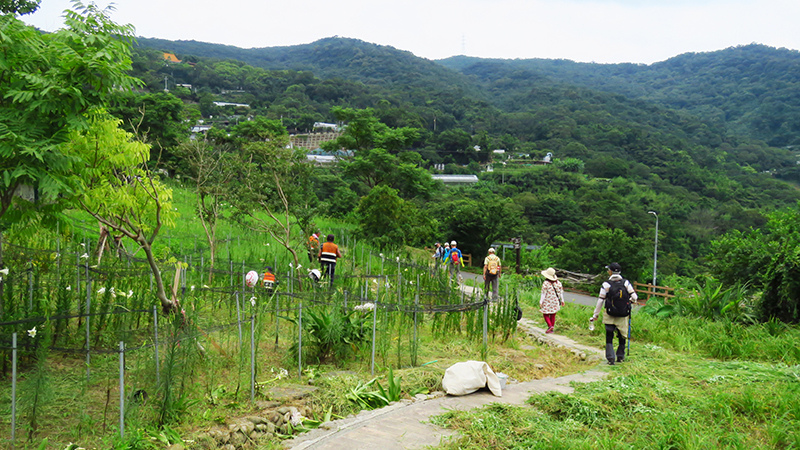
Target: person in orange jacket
column 328, row 255
column 269, row 281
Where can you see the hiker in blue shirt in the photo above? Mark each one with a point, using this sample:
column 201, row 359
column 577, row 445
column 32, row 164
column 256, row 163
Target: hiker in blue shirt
column 455, row 260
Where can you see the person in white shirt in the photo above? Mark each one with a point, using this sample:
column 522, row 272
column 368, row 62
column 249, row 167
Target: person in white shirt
column 616, row 294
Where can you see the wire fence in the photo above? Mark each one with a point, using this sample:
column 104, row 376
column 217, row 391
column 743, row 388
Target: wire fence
column 56, row 302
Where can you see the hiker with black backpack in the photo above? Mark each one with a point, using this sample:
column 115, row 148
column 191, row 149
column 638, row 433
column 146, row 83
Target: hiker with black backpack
column 617, row 294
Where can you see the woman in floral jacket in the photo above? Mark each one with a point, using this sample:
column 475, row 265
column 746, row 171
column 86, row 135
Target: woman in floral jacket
column 552, row 298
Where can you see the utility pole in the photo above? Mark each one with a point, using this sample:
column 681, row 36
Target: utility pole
column 655, row 249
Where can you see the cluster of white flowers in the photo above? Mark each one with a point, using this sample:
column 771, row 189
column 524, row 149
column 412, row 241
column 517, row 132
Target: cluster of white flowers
column 365, row 307
column 281, row 373
column 112, row 291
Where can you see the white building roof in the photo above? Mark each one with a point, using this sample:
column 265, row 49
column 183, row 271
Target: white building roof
column 456, row 179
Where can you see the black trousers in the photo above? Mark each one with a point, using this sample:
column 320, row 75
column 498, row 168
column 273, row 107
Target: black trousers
column 329, row 270
column 620, row 353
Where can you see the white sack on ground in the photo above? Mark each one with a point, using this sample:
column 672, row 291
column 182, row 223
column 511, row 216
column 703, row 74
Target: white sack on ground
column 467, row 377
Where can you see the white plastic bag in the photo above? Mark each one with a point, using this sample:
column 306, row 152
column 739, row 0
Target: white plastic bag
column 467, row 377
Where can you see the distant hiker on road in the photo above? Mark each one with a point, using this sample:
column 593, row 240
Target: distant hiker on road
column 616, row 294
column 491, row 274
column 328, row 254
column 438, row 253
column 455, row 260
column 552, row 298
column 445, row 252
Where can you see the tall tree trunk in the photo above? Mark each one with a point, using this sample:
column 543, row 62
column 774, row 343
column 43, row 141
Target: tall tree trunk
column 167, row 305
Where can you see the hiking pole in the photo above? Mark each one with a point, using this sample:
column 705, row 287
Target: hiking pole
column 629, row 335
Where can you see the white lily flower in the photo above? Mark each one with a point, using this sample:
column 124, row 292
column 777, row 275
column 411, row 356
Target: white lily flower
column 101, row 291
column 191, row 288
column 69, row 288
column 130, row 293
column 299, row 267
column 398, row 259
column 32, row 332
column 291, row 265
column 205, row 286
column 85, row 256
column 381, row 255
column 83, row 245
column 4, row 271
column 253, row 301
column 297, row 418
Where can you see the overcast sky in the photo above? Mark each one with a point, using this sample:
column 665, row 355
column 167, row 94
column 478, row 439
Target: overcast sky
column 604, row 31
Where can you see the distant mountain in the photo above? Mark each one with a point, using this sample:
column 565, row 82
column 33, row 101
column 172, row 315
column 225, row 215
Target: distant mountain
column 751, row 90
column 328, row 58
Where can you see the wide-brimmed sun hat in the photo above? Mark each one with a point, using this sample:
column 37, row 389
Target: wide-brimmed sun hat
column 550, row 274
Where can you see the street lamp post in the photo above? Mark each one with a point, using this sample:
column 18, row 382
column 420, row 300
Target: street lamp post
column 655, row 251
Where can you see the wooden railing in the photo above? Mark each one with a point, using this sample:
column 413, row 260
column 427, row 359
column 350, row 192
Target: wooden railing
column 650, row 290
column 467, row 257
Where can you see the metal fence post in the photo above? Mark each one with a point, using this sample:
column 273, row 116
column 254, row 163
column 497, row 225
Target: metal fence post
column 300, row 340
column 239, row 321
column 13, row 389
column 252, row 358
column 155, row 332
column 121, row 389
column 88, row 328
column 485, row 327
column 374, row 322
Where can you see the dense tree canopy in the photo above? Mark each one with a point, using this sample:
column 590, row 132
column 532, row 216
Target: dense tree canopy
column 51, row 84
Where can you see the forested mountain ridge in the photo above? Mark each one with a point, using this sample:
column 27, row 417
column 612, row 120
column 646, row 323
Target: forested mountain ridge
column 349, row 59
column 751, row 90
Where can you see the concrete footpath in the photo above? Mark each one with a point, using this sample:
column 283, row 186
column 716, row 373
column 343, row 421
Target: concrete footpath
column 405, row 424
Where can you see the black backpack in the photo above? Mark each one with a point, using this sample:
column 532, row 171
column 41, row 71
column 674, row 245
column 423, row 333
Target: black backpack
column 618, row 298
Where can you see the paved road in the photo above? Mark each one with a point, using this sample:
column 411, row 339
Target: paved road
column 569, row 297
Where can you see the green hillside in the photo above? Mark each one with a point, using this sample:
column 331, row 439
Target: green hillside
column 618, row 151
column 751, row 90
